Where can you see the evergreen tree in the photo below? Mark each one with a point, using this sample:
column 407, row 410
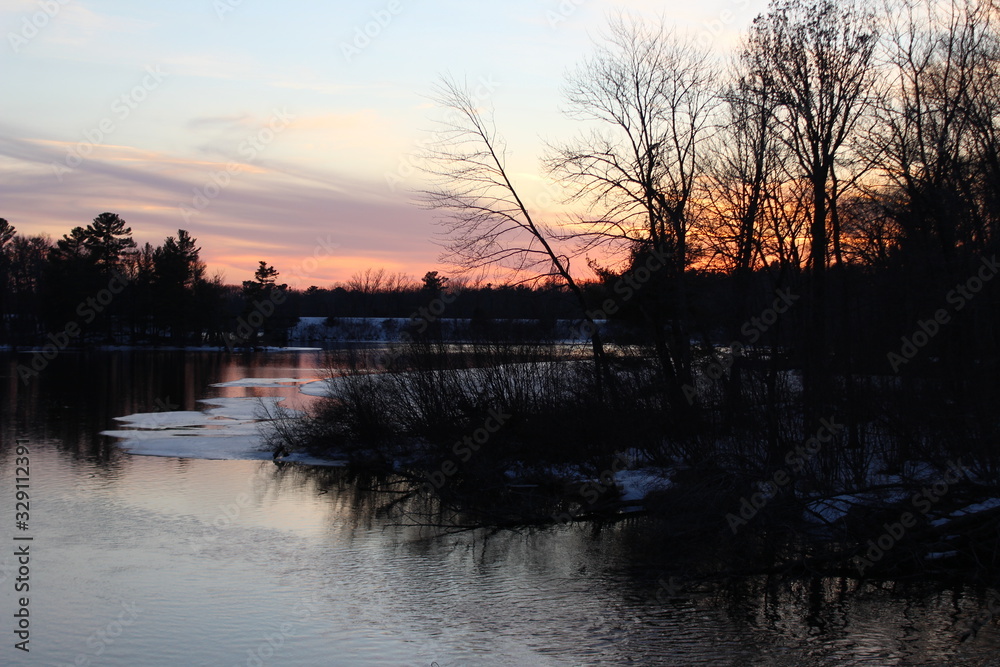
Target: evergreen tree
column 7, row 233
column 434, row 283
column 263, row 299
column 108, row 240
column 178, row 270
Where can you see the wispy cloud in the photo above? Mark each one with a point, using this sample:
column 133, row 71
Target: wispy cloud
column 279, row 213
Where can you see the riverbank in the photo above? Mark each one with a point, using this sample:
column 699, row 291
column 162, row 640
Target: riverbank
column 526, row 444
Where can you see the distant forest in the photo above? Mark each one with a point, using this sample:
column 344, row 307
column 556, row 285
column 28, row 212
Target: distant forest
column 108, row 290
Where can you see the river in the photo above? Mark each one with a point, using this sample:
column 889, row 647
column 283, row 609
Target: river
column 161, row 560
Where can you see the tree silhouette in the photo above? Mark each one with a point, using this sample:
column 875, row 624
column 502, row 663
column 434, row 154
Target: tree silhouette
column 108, row 239
column 489, row 224
column 264, row 298
column 650, row 93
column 264, row 281
column 816, row 60
column 7, row 233
column 434, row 283
column 177, row 271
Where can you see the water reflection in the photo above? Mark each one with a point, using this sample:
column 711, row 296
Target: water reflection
column 220, row 555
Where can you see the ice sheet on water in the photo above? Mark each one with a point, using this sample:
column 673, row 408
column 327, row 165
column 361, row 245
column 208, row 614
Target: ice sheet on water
column 242, row 408
column 313, row 461
column 322, row 388
column 162, row 420
column 976, row 508
column 188, row 445
column 228, row 428
column 262, row 382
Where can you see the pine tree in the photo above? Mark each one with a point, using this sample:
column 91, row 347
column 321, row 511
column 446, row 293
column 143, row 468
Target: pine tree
column 108, row 239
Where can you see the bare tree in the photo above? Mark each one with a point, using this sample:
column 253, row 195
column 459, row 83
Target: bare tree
column 938, row 130
column 487, row 222
column 399, row 281
column 369, row 281
column 747, row 166
column 648, row 95
column 785, row 238
column 816, row 59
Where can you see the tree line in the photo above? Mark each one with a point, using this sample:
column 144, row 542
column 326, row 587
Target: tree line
column 847, row 153
column 97, row 278
column 98, row 283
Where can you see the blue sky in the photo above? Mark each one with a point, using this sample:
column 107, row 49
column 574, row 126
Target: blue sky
column 272, row 131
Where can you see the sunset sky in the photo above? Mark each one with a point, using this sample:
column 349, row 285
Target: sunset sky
column 272, row 131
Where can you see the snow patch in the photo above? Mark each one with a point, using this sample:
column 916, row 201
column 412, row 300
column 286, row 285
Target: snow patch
column 831, row 510
column 975, row 508
column 635, row 485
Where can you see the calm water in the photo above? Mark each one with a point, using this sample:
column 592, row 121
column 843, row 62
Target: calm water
column 140, row 560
